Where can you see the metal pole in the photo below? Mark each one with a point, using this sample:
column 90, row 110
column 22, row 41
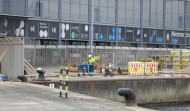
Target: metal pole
column 61, row 82
column 67, row 83
column 60, row 18
column 23, row 53
column 141, row 23
column 26, row 22
column 188, row 64
column 185, row 13
column 164, row 22
column 91, row 37
column 102, row 59
column 116, row 21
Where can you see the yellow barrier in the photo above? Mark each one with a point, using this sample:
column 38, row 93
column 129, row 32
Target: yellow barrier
column 142, row 68
column 136, row 68
column 151, row 68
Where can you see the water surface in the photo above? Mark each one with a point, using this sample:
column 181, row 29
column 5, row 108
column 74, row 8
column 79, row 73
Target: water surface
column 184, row 106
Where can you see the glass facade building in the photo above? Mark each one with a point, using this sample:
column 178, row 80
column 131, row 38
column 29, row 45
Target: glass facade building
column 130, row 23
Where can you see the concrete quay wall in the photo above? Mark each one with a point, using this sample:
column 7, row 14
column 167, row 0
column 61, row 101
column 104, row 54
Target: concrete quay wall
column 147, row 90
column 157, row 90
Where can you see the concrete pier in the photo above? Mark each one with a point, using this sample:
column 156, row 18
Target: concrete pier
column 147, row 89
column 32, row 97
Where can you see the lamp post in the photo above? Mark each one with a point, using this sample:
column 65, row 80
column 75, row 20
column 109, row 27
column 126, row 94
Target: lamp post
column 91, row 37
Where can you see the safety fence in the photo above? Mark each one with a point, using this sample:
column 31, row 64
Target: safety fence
column 143, row 68
column 51, row 56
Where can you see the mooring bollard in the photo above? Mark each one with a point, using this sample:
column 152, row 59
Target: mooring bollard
column 67, row 82
column 22, row 78
column 61, row 82
column 41, row 74
column 130, row 97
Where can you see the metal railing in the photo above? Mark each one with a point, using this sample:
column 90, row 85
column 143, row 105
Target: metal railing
column 42, row 56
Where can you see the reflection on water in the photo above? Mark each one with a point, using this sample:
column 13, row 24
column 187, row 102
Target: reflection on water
column 185, row 106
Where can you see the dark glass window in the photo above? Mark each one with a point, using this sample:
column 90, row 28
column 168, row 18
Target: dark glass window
column 159, row 13
column 132, row 12
column 44, row 7
column 146, row 12
column 104, row 11
column 75, row 10
column 187, row 22
column 53, row 9
column 121, row 11
column 175, row 13
column 33, row 7
column 66, row 9
column 84, row 12
column 15, row 7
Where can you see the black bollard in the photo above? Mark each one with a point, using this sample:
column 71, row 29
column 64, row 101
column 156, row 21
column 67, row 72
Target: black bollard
column 22, row 78
column 130, row 97
column 41, row 74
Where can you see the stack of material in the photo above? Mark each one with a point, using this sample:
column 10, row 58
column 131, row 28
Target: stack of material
column 185, row 59
column 175, row 55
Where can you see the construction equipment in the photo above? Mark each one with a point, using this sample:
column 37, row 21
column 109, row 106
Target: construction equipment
column 73, row 68
column 83, row 67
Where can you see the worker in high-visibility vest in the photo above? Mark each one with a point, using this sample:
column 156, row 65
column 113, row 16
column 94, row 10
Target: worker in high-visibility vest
column 91, row 63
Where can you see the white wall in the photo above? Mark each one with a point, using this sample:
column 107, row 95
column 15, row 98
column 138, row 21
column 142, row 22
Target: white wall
column 12, row 63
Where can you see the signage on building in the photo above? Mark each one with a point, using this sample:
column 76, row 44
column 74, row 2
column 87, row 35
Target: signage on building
column 129, row 34
column 137, row 34
column 145, row 35
column 33, row 28
column 168, row 36
column 103, row 33
column 152, row 36
column 43, row 29
column 111, row 33
column 53, row 29
column 121, row 34
column 95, row 32
column 19, row 28
column 65, row 31
column 84, row 34
column 7, row 27
column 12, row 27
column 75, row 31
column 177, row 37
column 159, row 38
column 187, row 38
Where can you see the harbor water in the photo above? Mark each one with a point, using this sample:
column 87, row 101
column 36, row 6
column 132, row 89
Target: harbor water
column 183, row 106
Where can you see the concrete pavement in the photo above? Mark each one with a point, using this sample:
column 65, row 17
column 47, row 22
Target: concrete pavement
column 31, row 97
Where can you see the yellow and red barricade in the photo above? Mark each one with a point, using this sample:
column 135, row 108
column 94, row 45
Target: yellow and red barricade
column 151, row 68
column 135, row 68
column 142, row 68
